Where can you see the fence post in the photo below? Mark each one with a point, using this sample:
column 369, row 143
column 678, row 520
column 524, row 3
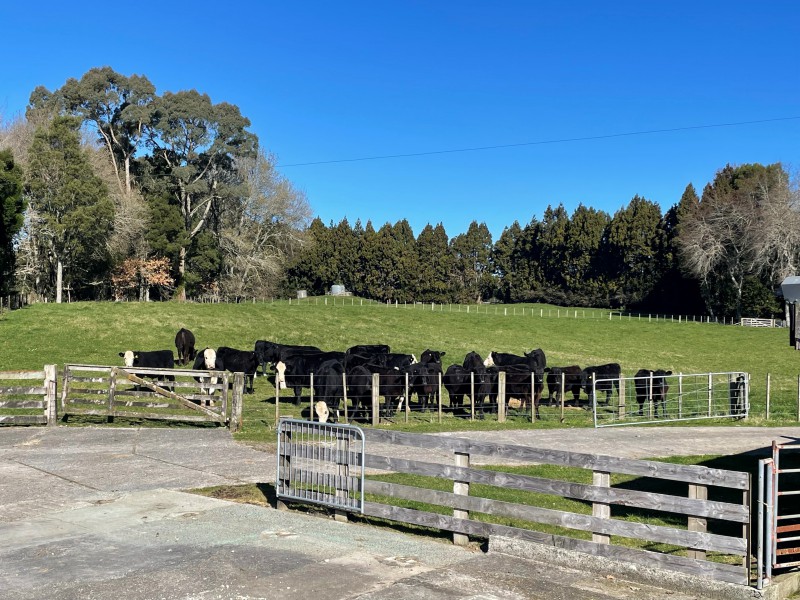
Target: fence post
column 408, row 399
column 344, row 396
column 236, row 402
column 622, row 399
column 601, row 509
column 277, row 401
column 472, row 395
column 311, row 396
column 376, row 418
column 561, row 387
column 697, row 492
column 768, row 390
column 650, row 395
column 680, row 395
column 439, row 395
column 533, row 397
column 462, row 489
column 112, row 392
column 50, row 375
column 501, row 397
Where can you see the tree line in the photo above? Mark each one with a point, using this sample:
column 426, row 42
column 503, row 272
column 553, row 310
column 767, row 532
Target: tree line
column 109, row 190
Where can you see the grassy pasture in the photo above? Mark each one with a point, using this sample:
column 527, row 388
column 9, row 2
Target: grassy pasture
column 94, row 333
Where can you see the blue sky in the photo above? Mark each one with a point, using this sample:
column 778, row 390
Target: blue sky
column 334, row 81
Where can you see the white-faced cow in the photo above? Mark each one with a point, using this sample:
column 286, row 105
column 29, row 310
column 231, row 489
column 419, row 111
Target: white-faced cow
column 152, row 359
column 206, row 361
column 184, row 342
column 294, row 371
column 652, row 386
column 272, row 352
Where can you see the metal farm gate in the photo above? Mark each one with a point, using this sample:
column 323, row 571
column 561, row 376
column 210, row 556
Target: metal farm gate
column 778, row 511
column 675, row 397
column 321, row 463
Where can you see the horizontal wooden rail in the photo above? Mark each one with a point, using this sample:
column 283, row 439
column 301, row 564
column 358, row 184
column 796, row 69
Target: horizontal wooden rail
column 686, row 473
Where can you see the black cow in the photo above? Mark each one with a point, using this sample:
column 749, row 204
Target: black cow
column 184, row 342
column 610, row 371
column 359, row 390
column 521, row 383
column 152, row 359
column 294, row 371
column 738, row 395
column 423, row 380
column 572, row 382
column 271, row 352
column 329, row 386
column 238, row 361
column 461, row 382
column 652, row 386
column 535, row 359
column 396, row 360
column 433, row 357
column 149, row 359
column 369, row 349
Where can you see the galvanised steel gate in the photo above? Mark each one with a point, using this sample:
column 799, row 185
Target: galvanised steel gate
column 321, row 463
column 778, row 510
column 659, row 398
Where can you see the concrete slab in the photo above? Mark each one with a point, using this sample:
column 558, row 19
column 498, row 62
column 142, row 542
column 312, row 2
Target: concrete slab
column 97, row 513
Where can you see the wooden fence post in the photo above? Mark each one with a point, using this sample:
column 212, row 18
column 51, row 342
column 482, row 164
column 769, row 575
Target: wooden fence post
column 344, row 396
column 311, row 396
column 376, row 399
column 235, row 422
column 622, row 399
column 600, row 509
column 768, row 390
column 277, row 401
column 561, row 389
column 697, row 492
column 501, row 397
column 472, row 395
column 461, row 488
column 439, row 394
column 112, row 392
column 50, row 377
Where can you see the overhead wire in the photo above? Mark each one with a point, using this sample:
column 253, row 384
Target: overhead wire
column 539, row 142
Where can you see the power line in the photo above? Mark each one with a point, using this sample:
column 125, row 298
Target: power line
column 540, row 142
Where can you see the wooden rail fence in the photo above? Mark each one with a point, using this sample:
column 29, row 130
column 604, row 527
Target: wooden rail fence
column 26, row 402
column 686, row 501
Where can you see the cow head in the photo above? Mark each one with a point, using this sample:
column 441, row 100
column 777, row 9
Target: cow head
column 489, row 362
column 280, row 375
column 432, row 356
column 210, row 359
column 322, row 411
column 128, row 358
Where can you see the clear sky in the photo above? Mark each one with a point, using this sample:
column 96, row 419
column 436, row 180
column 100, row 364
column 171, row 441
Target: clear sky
column 555, row 82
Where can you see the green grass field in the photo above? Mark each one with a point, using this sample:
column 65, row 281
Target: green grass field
column 94, row 333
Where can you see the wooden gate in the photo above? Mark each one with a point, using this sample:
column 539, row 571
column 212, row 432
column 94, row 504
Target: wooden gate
column 163, row 394
column 28, row 397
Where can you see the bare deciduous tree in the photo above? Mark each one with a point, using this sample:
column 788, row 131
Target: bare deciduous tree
column 261, row 229
column 745, row 225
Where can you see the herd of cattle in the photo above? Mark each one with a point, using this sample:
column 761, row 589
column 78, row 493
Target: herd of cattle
column 349, row 374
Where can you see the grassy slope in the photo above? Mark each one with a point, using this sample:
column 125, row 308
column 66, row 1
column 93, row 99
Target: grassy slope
column 94, row 333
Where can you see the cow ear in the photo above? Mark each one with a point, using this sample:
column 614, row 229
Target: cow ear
column 122, row 355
